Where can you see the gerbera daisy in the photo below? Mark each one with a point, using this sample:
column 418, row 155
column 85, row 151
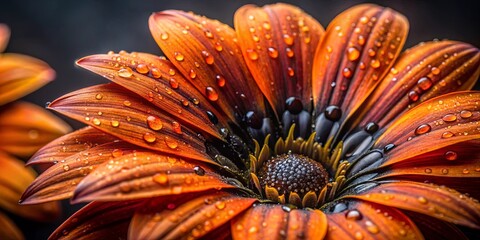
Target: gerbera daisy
column 276, row 129
column 24, row 128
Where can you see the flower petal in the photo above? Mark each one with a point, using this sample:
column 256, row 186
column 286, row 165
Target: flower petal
column 4, row 36
column 153, row 80
column 14, row 179
column 206, row 53
column 422, row 72
column 365, row 220
column 278, row 43
column 27, row 127
column 8, row 229
column 146, row 174
column 186, row 216
column 359, row 47
column 70, row 144
column 21, row 75
column 132, row 119
column 436, row 229
column 434, row 124
column 60, row 180
column 269, row 221
column 98, row 220
column 435, row 201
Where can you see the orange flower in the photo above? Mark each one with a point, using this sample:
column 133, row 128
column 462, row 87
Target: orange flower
column 276, row 129
column 24, row 128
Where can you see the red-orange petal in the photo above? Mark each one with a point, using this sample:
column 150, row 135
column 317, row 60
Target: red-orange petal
column 98, row 220
column 14, row 179
column 359, row 47
column 151, row 78
column 278, row 43
column 425, row 71
column 436, row 201
column 21, row 75
column 436, row 229
column 70, row 144
column 8, row 229
column 4, row 36
column 186, row 216
column 146, row 174
column 132, row 119
column 207, row 54
column 434, row 124
column 26, row 127
column 271, row 221
column 365, row 220
column 60, row 180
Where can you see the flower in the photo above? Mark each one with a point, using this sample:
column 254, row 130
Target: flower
column 24, row 128
column 276, row 129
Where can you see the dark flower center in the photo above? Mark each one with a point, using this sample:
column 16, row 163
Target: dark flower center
column 293, row 173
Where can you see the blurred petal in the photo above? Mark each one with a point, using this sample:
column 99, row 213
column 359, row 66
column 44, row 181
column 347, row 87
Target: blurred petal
column 132, row 119
column 278, row 43
column 365, row 220
column 21, row 75
column 172, row 94
column 359, row 47
column 434, row 124
column 8, row 230
column 208, row 50
column 423, row 72
column 185, row 216
column 146, row 174
column 60, row 180
column 70, row 144
column 4, row 36
column 436, row 229
column 14, row 179
column 98, row 220
column 26, row 127
column 271, row 221
column 435, row 201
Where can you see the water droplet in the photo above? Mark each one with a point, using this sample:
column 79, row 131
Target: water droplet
column 220, row 80
column 393, row 70
column 155, row 73
column 149, row 137
column 422, row 129
column 428, row 170
column 444, row 171
column 208, row 34
column 290, row 72
column 347, row 72
column 99, row 96
column 364, row 20
column 294, row 105
column 127, row 103
column 422, row 200
column 361, row 40
column 465, row 114
column 212, row 117
column 290, row 52
column 388, row 147
column 125, row 72
column 447, row 134
column 154, row 123
column 218, row 47
column 164, row 36
column 358, row 235
column 375, row 63
column 252, row 54
column 171, row 71
column 211, row 93
column 465, row 171
column 333, row 113
column 451, row 156
column 160, row 178
column 371, row 227
column 353, row 54
column 96, row 121
column 266, row 25
column 435, row 71
column 371, row 127
column 252, row 230
column 272, row 52
column 173, row 83
column 199, row 171
column 413, row 96
column 117, row 152
column 424, row 83
column 288, row 39
column 220, row 205
column 142, row 68
column 253, row 120
column 171, row 143
column 177, row 128
column 66, row 167
column 208, row 58
column 115, row 123
column 449, row 118
column 192, row 74
column 178, row 56
column 353, row 215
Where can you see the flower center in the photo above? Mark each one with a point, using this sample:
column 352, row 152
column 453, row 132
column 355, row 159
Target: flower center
column 293, row 173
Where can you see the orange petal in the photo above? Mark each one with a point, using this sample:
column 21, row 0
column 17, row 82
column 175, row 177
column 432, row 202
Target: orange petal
column 146, row 174
column 132, row 119
column 422, row 72
column 60, row 180
column 4, row 36
column 365, row 220
column 281, row 222
column 434, row 124
column 99, row 220
column 436, row 201
column 26, row 127
column 186, row 216
column 153, row 80
column 70, row 144
column 21, row 75
column 359, row 47
column 278, row 42
column 8, row 229
column 436, row 229
column 207, row 54
column 14, row 179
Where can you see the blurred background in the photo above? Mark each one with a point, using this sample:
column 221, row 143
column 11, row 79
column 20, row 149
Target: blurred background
column 60, row 31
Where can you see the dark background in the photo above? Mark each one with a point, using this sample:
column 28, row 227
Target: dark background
column 61, row 31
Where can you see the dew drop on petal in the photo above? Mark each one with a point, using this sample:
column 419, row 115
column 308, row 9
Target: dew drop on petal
column 154, row 123
column 99, row 96
column 218, row 47
column 252, row 54
column 155, row 73
column 288, row 39
column 435, row 71
column 179, row 57
column 424, row 83
column 353, row 215
column 449, row 118
column 450, row 155
column 96, row 121
column 371, row 227
column 125, row 72
column 177, row 128
column 413, row 96
column 272, row 52
column 358, row 235
column 333, row 113
column 220, row 80
column 211, row 93
column 220, row 205
column 428, row 170
column 171, row 143
column 422, row 129
column 290, row 72
column 66, row 167
column 465, row 114
column 422, row 200
column 199, row 171
column 447, row 134
column 347, row 72
column 127, row 103
column 149, row 137
column 375, row 63
column 164, row 36
column 290, row 52
column 353, row 54
column 160, row 178
column 142, row 68
column 208, row 58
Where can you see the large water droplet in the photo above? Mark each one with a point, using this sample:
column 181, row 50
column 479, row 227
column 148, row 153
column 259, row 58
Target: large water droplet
column 422, row 129
column 154, row 123
column 171, row 143
column 199, row 171
column 164, row 36
column 449, row 118
column 371, row 227
column 142, row 68
column 465, row 114
column 212, row 117
column 211, row 93
column 272, row 52
column 288, row 39
column 208, row 58
column 253, row 120
column 220, row 80
column 125, row 72
column 333, row 113
column 155, row 73
column 290, row 53
column 115, row 123
column 435, row 71
column 96, row 121
column 413, row 96
column 424, row 83
column 149, row 137
column 179, row 57
column 177, row 128
column 252, row 54
column 353, row 215
column 447, row 134
column 99, row 96
column 371, row 127
column 294, row 105
column 375, row 63
column 353, row 53
column 160, row 178
column 451, row 155
column 347, row 72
